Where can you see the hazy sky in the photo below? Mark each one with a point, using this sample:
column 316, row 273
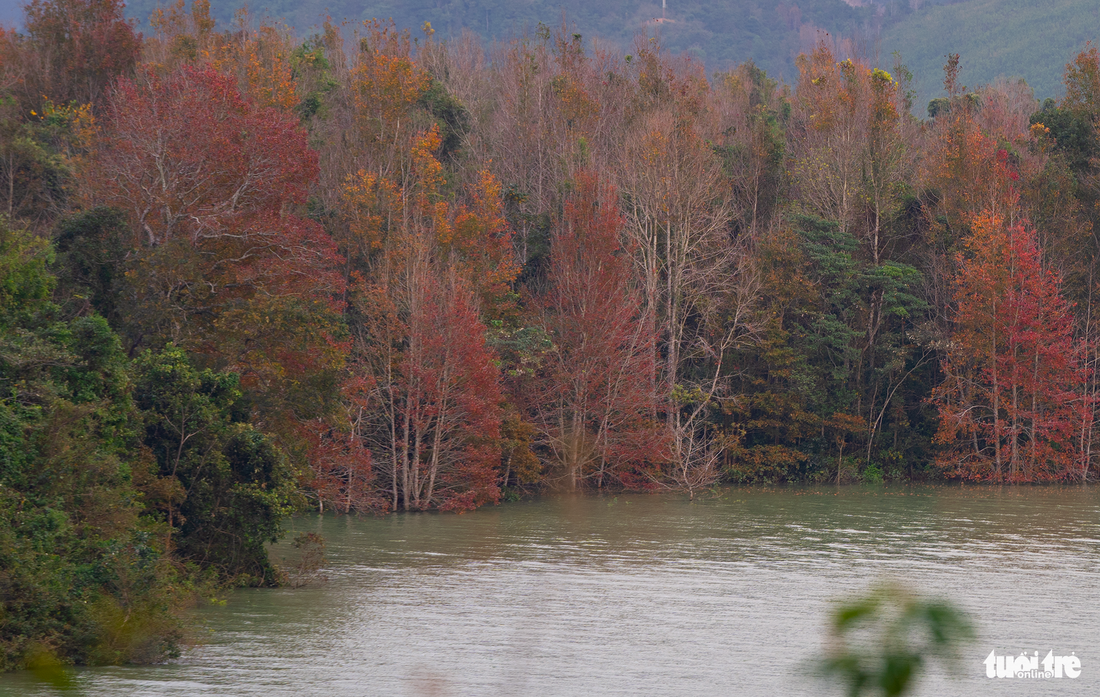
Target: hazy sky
column 11, row 12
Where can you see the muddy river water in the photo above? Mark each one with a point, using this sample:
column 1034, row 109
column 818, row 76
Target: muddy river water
column 646, row 595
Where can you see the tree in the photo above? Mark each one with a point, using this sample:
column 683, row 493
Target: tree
column 210, row 183
column 77, row 48
column 449, row 411
column 38, row 151
column 595, row 406
column 179, row 36
column 677, row 221
column 1012, row 400
column 849, row 156
column 1082, row 79
column 852, row 149
column 225, row 486
column 339, row 453
column 963, row 171
column 754, row 142
column 419, row 266
column 91, row 263
column 262, row 60
column 556, row 107
column 83, row 575
column 815, row 382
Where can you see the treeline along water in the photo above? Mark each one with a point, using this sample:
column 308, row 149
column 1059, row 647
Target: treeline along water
column 245, row 274
column 646, row 595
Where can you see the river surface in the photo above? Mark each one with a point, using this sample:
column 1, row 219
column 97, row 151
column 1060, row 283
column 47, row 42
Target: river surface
column 647, row 595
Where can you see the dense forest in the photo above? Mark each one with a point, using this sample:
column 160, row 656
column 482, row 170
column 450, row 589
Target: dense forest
column 243, row 274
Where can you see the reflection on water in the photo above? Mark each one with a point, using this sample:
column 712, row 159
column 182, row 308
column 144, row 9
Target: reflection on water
column 646, row 595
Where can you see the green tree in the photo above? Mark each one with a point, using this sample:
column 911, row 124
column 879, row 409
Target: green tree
column 81, row 576
column 881, row 642
column 92, row 247
column 829, row 369
column 224, row 486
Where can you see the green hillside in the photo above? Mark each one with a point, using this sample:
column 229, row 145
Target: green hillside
column 1009, row 38
column 721, row 33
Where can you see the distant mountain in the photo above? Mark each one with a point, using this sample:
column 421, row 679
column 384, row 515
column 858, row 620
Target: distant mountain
column 722, row 33
column 1010, row 38
column 1007, row 38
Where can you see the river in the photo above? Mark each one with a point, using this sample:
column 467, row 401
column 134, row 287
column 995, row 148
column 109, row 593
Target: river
column 647, row 595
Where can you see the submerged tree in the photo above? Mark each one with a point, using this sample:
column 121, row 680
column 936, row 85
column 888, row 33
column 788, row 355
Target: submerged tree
column 596, row 403
column 424, row 267
column 449, row 412
column 1012, row 403
column 223, row 486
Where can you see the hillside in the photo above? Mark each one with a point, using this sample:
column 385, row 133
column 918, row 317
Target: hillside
column 721, row 33
column 995, row 38
column 244, row 276
column 1009, row 38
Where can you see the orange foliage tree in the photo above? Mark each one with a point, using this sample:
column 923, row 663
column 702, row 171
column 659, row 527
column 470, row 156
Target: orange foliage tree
column 261, row 59
column 419, row 265
column 386, row 81
column 964, row 171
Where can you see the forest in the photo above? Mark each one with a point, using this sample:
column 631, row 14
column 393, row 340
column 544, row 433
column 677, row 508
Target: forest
column 245, row 274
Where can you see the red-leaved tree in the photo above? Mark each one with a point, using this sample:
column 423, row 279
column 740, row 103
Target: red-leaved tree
column 596, row 404
column 1012, row 404
column 221, row 264
column 421, row 268
column 447, row 411
column 75, row 49
column 339, row 457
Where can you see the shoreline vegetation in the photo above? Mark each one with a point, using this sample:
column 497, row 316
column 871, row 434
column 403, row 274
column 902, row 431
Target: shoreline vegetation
column 244, row 274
